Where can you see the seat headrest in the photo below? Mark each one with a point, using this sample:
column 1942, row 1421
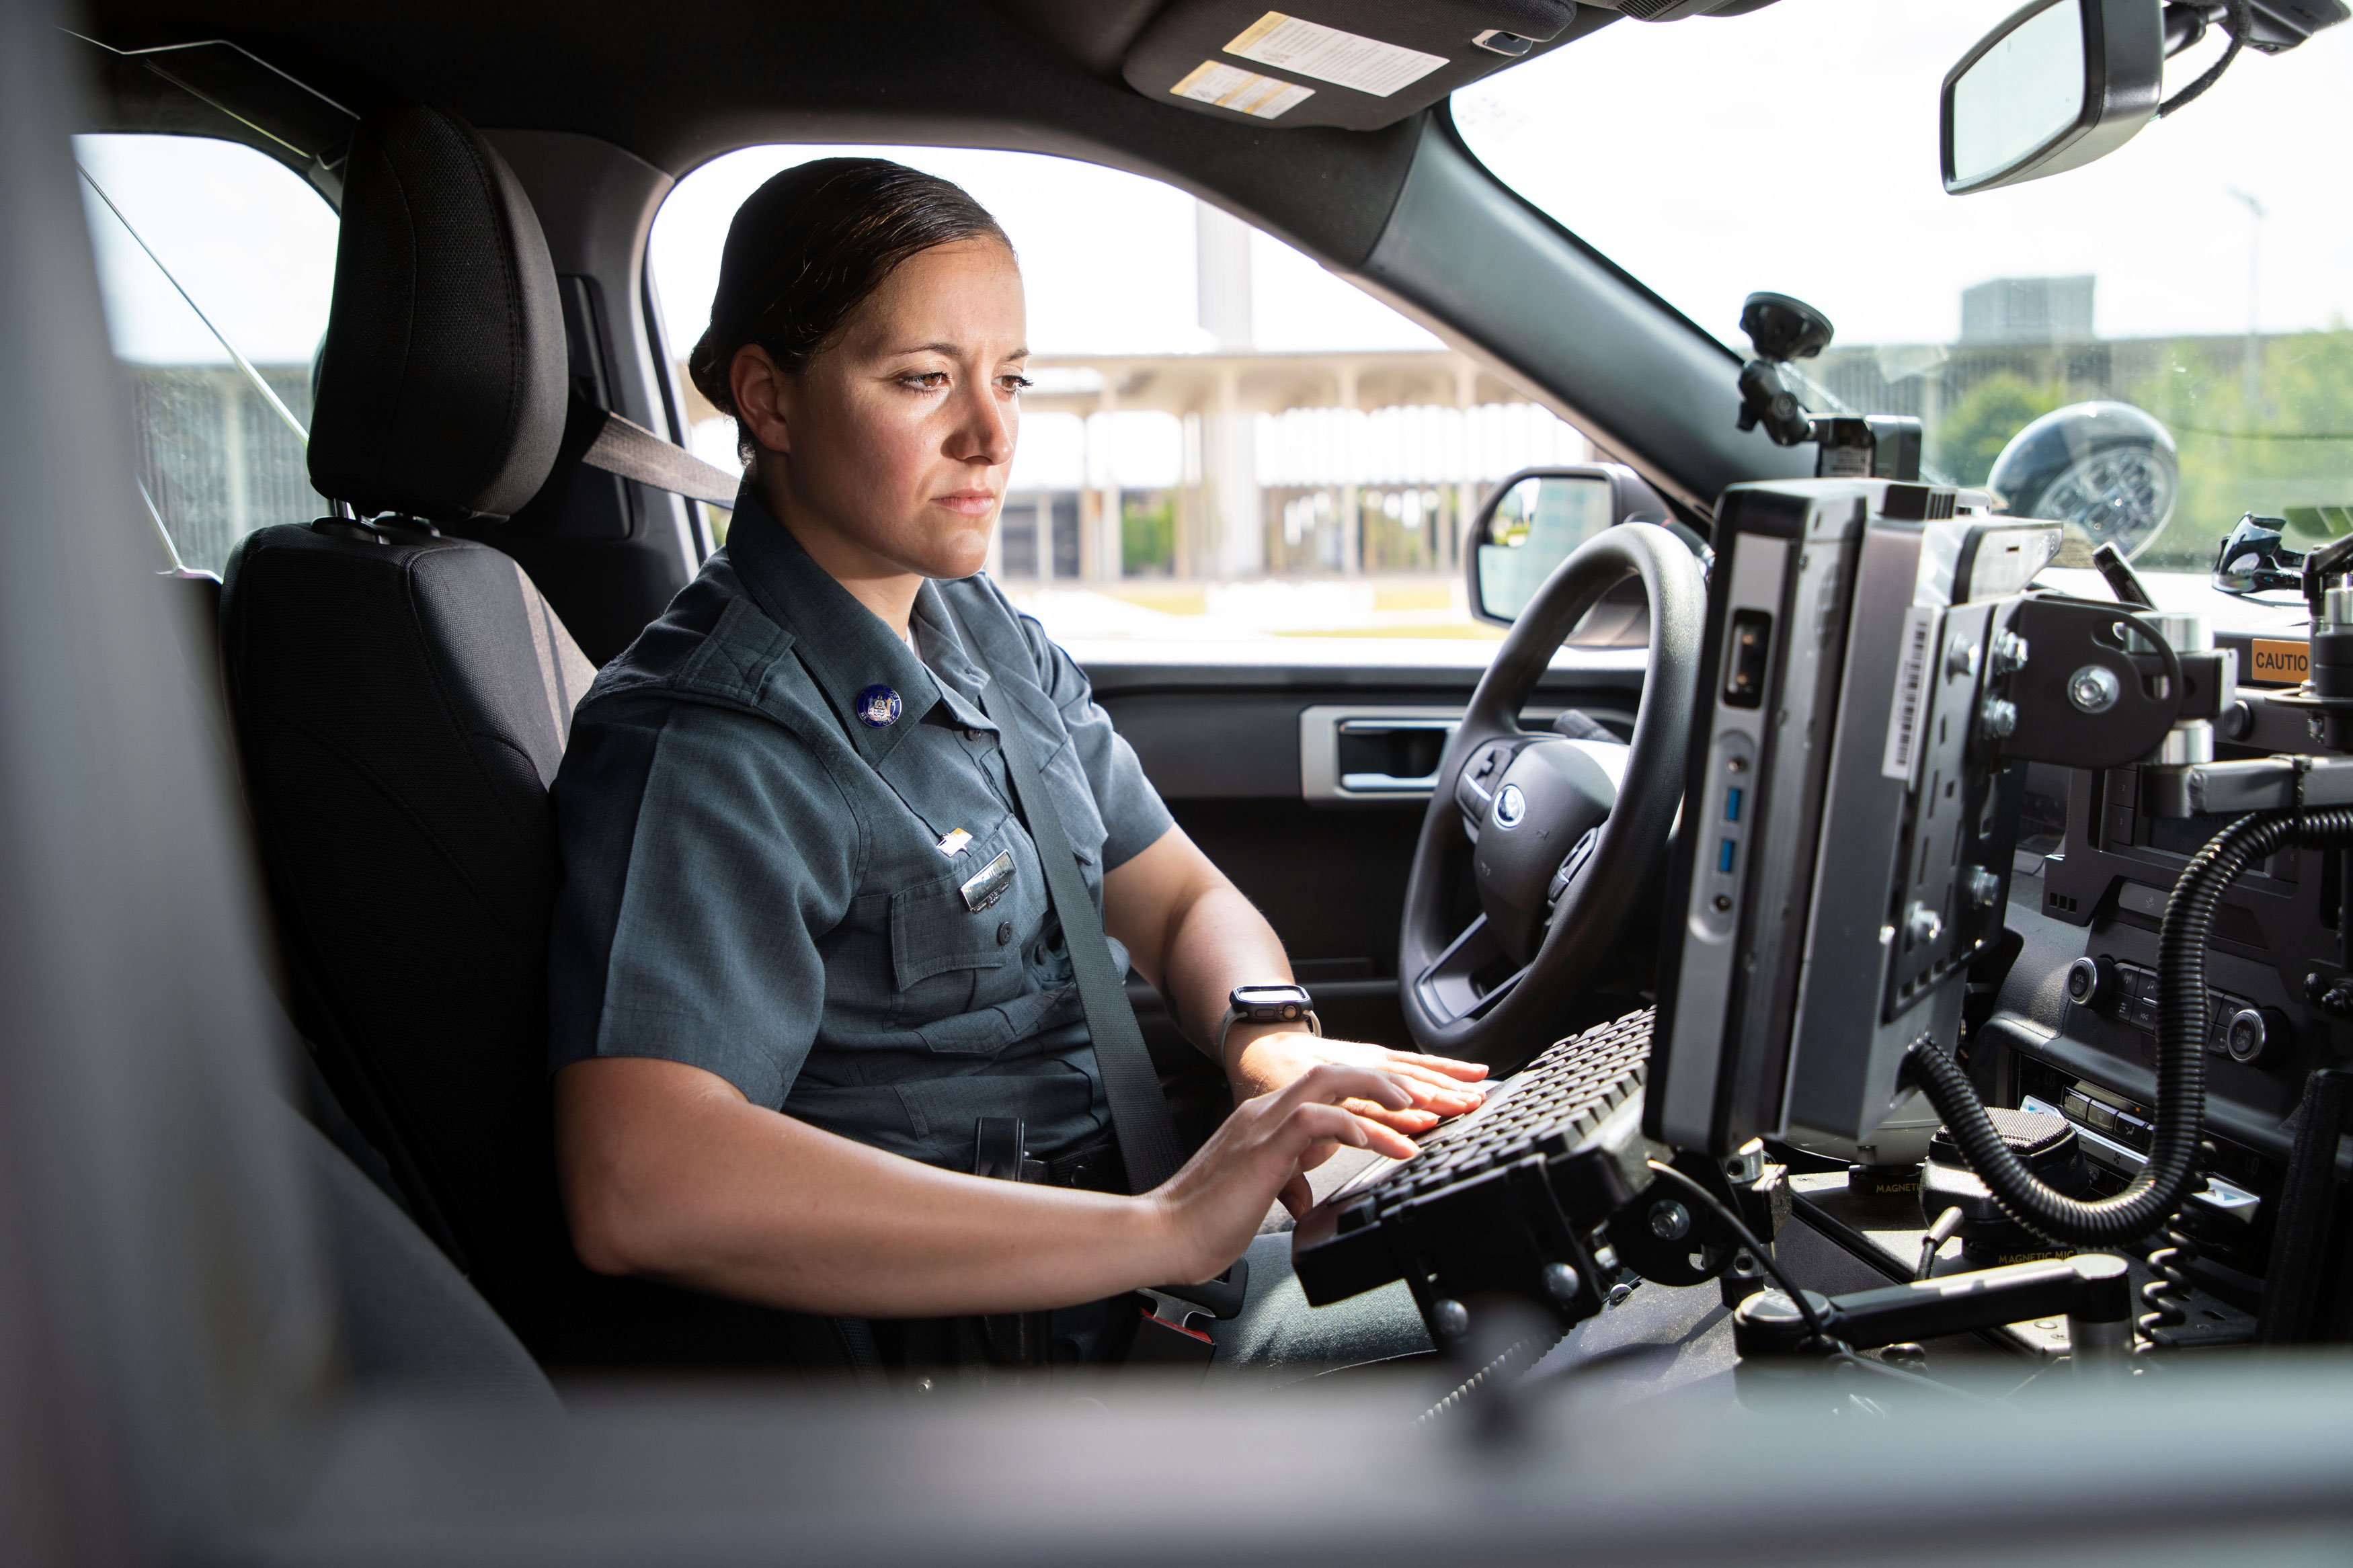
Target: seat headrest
column 441, row 389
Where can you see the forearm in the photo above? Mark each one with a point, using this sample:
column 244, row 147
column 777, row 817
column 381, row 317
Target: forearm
column 1220, row 942
column 717, row 1194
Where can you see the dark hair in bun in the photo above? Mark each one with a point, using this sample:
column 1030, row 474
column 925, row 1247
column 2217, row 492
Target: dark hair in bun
column 807, row 249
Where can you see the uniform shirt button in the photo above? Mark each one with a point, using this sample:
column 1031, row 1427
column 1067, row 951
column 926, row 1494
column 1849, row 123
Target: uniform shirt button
column 1004, row 933
column 970, row 734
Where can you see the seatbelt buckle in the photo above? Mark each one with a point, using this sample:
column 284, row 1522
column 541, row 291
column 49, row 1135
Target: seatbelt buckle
column 1220, row 1298
column 1166, row 1335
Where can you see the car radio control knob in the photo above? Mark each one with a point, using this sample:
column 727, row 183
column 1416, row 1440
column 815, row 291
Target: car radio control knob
column 2252, row 1030
column 2091, row 981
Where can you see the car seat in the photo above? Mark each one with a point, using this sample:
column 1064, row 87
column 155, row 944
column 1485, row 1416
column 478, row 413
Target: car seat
column 402, row 700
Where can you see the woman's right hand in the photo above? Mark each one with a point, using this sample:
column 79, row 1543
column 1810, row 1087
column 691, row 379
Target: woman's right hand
column 1212, row 1208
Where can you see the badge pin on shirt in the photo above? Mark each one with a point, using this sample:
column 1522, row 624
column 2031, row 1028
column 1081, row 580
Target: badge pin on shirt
column 878, row 708
column 953, row 844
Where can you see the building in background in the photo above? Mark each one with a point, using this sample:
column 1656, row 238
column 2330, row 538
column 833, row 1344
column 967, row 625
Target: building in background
column 2028, row 310
column 1234, row 463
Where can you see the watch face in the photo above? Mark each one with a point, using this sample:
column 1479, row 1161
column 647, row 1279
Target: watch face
column 1264, row 1003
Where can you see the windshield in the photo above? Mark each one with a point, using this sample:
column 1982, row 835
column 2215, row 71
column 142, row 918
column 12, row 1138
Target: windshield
column 2202, row 275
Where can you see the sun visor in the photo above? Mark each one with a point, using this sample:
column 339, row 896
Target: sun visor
column 1357, row 64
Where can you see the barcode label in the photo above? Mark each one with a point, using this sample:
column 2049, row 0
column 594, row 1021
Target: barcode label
column 1910, row 681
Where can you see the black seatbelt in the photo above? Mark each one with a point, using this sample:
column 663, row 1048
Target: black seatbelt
column 1146, row 1133
column 1148, row 1147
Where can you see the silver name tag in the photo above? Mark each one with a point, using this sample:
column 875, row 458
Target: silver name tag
column 989, row 884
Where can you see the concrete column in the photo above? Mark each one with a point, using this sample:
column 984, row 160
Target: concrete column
column 1193, row 512
column 1100, row 546
column 1230, row 474
column 1352, row 505
column 1222, row 278
column 1464, row 495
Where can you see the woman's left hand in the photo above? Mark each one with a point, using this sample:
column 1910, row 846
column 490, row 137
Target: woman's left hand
column 1442, row 1087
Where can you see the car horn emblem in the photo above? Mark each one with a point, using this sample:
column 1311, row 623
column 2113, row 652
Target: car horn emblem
column 1511, row 805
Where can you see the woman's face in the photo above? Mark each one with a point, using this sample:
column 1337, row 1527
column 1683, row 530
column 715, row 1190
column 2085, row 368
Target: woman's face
column 898, row 436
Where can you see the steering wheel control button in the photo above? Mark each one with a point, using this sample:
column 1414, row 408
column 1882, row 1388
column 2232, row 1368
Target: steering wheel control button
column 1474, row 790
column 1550, row 795
column 1747, row 647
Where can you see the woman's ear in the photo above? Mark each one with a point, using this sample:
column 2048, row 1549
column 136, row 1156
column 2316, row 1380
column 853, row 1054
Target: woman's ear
column 762, row 394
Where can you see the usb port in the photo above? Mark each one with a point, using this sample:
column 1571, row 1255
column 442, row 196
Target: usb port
column 1732, row 804
column 1724, row 858
column 1749, row 641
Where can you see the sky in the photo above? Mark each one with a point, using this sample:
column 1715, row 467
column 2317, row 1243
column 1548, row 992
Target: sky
column 200, row 204
column 1794, row 148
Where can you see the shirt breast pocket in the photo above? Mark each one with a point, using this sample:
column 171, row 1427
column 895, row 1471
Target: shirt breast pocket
column 940, row 946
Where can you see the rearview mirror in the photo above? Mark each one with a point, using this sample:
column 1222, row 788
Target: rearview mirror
column 1537, row 519
column 2059, row 83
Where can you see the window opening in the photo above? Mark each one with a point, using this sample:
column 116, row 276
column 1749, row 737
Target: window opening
column 1223, row 441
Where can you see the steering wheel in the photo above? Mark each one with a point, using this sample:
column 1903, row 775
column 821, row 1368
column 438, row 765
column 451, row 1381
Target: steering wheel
column 1562, row 834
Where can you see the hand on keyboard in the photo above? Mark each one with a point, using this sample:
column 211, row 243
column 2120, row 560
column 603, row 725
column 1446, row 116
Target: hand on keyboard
column 1442, row 1088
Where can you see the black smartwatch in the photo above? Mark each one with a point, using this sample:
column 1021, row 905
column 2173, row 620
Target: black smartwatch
column 1266, row 1004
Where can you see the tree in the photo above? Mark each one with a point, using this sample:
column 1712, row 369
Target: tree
column 1973, row 431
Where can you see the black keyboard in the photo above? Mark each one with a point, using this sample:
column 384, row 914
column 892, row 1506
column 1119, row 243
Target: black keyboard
column 1505, row 1198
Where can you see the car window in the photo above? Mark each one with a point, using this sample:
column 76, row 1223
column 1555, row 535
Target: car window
column 215, row 264
column 2202, row 275
column 1224, row 443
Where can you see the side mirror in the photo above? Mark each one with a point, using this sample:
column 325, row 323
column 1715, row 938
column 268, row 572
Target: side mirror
column 1535, row 520
column 2059, row 84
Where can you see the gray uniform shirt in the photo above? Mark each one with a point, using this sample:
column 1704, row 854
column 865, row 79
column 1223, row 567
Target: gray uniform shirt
column 759, row 883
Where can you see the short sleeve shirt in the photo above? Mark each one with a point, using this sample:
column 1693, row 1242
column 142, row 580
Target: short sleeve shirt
column 760, row 882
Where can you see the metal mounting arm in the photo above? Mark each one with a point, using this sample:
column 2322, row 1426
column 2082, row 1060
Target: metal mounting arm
column 2092, row 1290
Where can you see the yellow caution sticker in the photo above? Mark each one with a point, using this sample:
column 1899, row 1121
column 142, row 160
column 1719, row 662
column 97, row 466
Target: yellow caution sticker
column 2276, row 661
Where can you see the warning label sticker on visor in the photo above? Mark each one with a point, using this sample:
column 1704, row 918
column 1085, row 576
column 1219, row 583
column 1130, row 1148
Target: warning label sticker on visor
column 1246, row 92
column 1328, row 54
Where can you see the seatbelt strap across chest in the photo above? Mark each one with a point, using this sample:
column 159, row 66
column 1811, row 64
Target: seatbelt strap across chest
column 1148, row 1145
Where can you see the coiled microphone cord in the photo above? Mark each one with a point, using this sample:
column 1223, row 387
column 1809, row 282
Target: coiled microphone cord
column 2153, row 1194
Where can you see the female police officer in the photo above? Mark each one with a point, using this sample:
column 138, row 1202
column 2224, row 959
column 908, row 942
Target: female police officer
column 780, row 1007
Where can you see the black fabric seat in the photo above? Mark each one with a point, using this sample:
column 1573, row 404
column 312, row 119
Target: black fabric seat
column 401, row 702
